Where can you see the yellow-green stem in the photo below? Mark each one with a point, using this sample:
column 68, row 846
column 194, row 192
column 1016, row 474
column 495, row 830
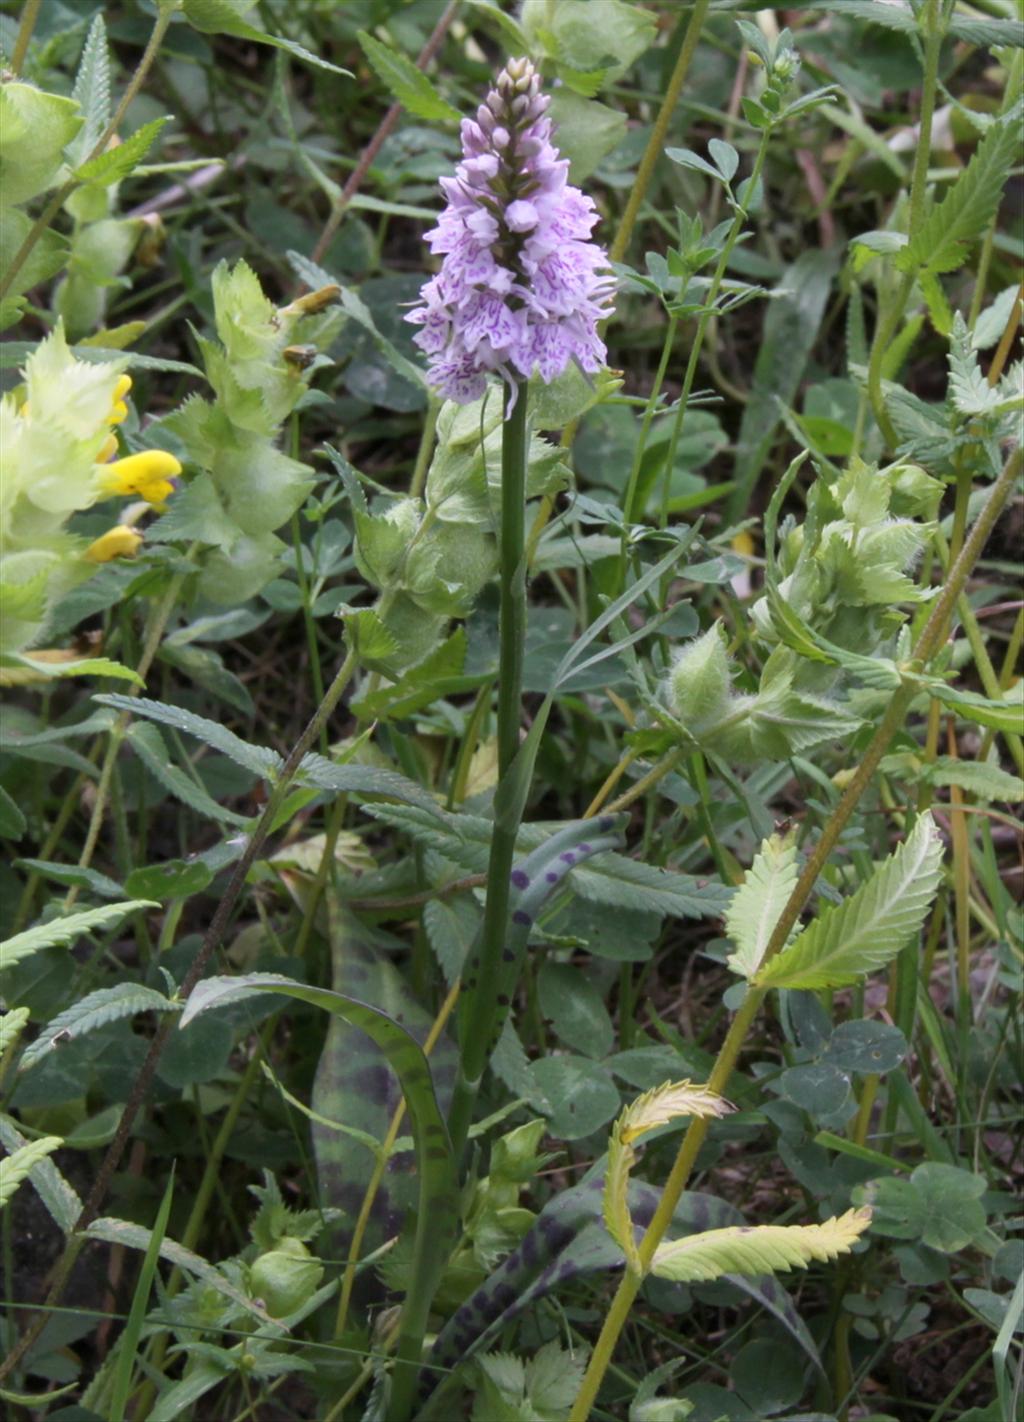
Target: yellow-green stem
column 928, row 644
column 25, row 30
column 656, row 142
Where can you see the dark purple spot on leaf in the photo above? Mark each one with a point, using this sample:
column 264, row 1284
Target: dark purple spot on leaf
column 520, row 878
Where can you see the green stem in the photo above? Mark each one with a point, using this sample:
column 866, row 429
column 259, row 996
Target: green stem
column 25, row 30
column 211, row 942
column 928, row 644
column 705, row 319
column 476, row 1026
column 207, row 1186
column 656, row 142
column 888, row 323
column 150, row 648
column 60, row 197
column 628, row 503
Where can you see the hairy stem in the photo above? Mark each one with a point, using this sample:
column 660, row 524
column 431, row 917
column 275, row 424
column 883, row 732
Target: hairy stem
column 928, row 644
column 25, row 30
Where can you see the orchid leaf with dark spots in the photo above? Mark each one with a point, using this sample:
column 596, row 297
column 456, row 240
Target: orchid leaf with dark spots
column 612, row 879
column 353, row 1084
column 438, row 1187
column 567, row 1241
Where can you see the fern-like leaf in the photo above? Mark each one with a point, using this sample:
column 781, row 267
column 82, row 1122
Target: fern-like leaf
column 970, row 204
column 759, row 901
column 757, row 1249
column 870, row 927
column 18, row 1165
column 654, row 1108
column 66, row 929
column 95, row 1011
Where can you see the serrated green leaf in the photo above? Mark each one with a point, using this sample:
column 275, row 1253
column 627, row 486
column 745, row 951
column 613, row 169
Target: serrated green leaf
column 409, row 85
column 92, row 89
column 977, row 777
column 150, row 747
column 18, row 1165
column 65, row 930
column 12, row 821
column 1006, row 715
column 260, row 759
column 314, row 769
column 14, row 666
column 439, row 674
column 969, row 391
column 941, row 243
column 227, row 17
column 869, row 928
column 11, row 1026
column 93, row 1011
column 758, row 1249
column 59, row 1198
column 759, row 901
column 116, row 163
column 993, row 34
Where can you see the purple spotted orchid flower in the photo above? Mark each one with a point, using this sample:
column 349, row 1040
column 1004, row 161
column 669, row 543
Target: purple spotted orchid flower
column 521, row 288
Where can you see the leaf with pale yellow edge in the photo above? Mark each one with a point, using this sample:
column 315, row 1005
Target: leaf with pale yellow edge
column 18, row 1165
column 758, row 903
column 654, row 1108
column 757, row 1249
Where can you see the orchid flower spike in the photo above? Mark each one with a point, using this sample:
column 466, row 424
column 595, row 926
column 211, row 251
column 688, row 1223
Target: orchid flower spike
column 521, row 288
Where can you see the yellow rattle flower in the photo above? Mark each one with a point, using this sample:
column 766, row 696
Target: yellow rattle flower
column 119, row 542
column 148, row 474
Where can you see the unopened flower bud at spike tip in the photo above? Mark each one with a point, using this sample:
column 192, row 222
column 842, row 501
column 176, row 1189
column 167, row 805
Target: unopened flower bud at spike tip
column 521, row 287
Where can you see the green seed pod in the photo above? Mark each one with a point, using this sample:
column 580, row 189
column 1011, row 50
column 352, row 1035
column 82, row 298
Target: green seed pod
column 285, row 1277
column 700, row 687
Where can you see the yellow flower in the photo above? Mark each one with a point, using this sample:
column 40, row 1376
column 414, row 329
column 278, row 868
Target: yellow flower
column 148, row 474
column 119, row 542
column 118, row 408
column 107, row 450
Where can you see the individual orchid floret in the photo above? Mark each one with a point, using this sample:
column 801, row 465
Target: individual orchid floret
column 521, row 287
